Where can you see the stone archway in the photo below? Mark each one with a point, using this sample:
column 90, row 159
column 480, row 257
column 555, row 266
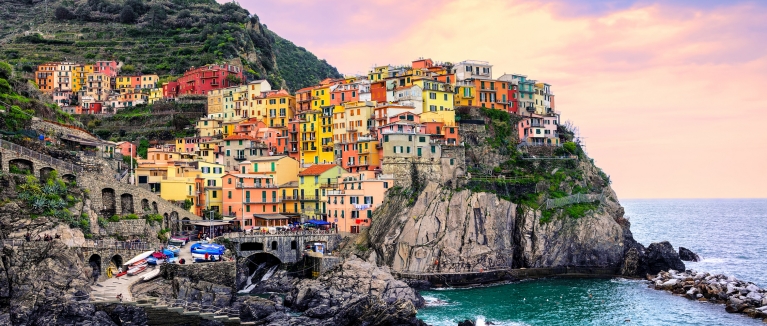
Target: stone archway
column 115, row 263
column 108, row 201
column 20, row 165
column 145, row 206
column 154, row 208
column 45, row 173
column 69, row 177
column 126, row 204
column 95, row 262
column 257, row 266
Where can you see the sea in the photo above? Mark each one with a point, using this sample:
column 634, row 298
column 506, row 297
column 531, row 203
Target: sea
column 730, row 235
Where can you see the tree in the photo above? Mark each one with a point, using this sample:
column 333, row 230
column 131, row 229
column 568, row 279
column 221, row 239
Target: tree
column 62, row 13
column 143, row 148
column 127, row 15
column 233, row 80
column 128, row 69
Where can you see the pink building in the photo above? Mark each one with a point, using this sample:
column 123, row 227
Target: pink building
column 108, row 68
column 126, row 148
column 350, row 208
column 539, row 130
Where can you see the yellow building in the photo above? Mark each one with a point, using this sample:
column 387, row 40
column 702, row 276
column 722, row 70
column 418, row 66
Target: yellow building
column 215, row 102
column 538, row 99
column 79, row 77
column 149, row 81
column 279, row 109
column 316, row 127
column 209, row 127
column 98, row 86
column 256, row 103
column 207, row 151
column 312, row 185
column 240, row 101
column 438, row 100
column 282, row 169
column 155, row 94
column 212, row 174
column 464, row 96
column 379, row 73
column 320, row 97
column 123, row 84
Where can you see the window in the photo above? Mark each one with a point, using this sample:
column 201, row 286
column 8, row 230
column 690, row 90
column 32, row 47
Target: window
column 445, row 95
column 214, row 194
column 386, row 185
column 433, row 149
column 247, row 208
column 229, row 194
column 432, row 95
column 452, row 161
column 408, row 149
column 422, row 139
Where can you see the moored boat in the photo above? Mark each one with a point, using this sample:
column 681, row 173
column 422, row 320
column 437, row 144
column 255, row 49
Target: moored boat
column 137, row 267
column 151, row 274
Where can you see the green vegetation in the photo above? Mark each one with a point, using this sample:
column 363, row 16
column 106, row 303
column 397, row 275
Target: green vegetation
column 161, row 121
column 163, row 235
column 153, row 218
column 51, row 197
column 165, row 38
column 19, row 100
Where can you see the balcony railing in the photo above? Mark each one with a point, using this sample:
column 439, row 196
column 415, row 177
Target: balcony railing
column 333, row 184
column 309, row 198
column 262, row 200
column 258, row 185
column 240, row 158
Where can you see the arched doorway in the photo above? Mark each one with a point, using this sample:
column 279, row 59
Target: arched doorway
column 126, row 204
column 20, row 166
column 115, row 263
column 154, row 208
column 145, row 205
column 45, row 173
column 69, row 177
column 259, row 267
column 108, row 201
column 173, row 221
column 95, row 262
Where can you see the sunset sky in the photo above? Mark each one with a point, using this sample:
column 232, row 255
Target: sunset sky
column 669, row 95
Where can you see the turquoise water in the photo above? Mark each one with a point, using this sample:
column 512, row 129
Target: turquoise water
column 728, row 234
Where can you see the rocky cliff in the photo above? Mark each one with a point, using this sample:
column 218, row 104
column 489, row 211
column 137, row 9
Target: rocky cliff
column 512, row 210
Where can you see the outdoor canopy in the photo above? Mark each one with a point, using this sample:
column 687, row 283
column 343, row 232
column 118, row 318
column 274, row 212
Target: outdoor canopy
column 317, row 222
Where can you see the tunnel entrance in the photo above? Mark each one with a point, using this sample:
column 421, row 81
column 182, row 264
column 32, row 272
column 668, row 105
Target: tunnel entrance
column 260, row 267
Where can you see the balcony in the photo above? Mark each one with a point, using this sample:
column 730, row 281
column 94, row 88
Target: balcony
column 262, row 200
column 293, row 150
column 329, row 185
column 309, row 198
column 310, row 149
column 240, row 158
column 257, row 186
column 335, row 192
column 290, row 198
column 363, row 150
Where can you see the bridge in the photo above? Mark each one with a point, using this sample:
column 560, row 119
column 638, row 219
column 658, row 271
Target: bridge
column 287, row 246
column 108, row 197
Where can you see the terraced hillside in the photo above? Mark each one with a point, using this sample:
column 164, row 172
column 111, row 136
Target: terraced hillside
column 163, row 36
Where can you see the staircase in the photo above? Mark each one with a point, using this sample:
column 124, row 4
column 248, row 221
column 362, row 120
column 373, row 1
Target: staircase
column 162, row 313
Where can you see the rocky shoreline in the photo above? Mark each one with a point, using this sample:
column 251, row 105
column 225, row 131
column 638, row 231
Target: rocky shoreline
column 737, row 296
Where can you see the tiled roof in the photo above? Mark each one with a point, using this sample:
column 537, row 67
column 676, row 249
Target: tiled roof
column 239, row 137
column 317, row 169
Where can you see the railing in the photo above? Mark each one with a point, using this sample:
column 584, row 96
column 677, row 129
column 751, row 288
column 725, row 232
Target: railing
column 262, row 200
column 258, row 185
column 329, row 185
column 308, row 198
column 41, row 157
column 278, row 233
column 574, row 199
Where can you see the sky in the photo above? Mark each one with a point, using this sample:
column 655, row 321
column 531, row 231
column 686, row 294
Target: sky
column 668, row 95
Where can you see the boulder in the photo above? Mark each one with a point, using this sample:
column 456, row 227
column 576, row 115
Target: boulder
column 661, row 256
column 466, row 323
column 687, row 255
column 255, row 308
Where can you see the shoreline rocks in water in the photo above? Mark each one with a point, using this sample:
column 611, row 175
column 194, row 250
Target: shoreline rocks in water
column 738, row 296
column 687, row 255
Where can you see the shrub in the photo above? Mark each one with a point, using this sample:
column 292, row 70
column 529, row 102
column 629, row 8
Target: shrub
column 114, row 218
column 154, row 218
column 6, row 70
column 131, row 217
column 570, row 147
column 103, row 222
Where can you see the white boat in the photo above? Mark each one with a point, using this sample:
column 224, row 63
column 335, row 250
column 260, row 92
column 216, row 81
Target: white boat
column 201, row 257
column 137, row 267
column 139, row 257
column 151, row 275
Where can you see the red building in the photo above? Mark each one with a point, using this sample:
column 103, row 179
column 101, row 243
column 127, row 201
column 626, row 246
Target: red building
column 513, row 98
column 378, row 91
column 170, row 90
column 203, row 79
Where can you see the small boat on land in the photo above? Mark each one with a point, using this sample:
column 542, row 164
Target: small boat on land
column 207, row 248
column 141, row 256
column 200, row 258
column 151, row 275
column 137, row 267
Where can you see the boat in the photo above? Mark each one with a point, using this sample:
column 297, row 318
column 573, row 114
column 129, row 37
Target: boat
column 151, row 275
column 200, row 258
column 175, row 250
column 207, row 248
column 137, row 267
column 139, row 257
column 178, row 240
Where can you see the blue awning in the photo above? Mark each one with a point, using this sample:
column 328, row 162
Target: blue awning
column 317, row 222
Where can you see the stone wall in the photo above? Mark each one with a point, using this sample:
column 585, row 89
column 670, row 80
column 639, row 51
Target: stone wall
column 206, row 284
column 320, row 264
column 282, row 246
column 449, row 166
column 130, row 229
column 51, row 128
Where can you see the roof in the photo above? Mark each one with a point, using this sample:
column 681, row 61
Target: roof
column 268, row 158
column 271, row 216
column 280, row 93
column 317, row 169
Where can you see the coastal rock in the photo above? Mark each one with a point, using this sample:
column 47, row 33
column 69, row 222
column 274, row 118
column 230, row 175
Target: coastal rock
column 660, row 256
column 356, row 290
column 255, row 308
column 466, row 323
column 687, row 255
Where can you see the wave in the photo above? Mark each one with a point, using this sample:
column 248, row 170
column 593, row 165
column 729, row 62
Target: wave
column 482, row 322
column 432, row 301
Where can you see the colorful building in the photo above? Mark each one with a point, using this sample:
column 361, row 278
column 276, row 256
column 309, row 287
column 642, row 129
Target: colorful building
column 201, row 80
column 44, row 76
column 313, row 183
column 350, row 207
column 539, row 130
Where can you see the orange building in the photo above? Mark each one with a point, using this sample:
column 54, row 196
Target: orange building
column 350, row 207
column 44, row 76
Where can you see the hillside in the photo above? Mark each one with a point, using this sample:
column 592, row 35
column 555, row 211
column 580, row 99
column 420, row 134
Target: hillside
column 164, row 37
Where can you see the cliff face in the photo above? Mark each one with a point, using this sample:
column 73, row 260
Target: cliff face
column 464, row 231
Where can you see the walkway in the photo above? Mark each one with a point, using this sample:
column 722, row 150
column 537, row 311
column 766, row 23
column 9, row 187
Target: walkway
column 107, row 291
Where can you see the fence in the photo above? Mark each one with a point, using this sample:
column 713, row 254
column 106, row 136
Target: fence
column 107, row 244
column 40, row 157
column 574, row 199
